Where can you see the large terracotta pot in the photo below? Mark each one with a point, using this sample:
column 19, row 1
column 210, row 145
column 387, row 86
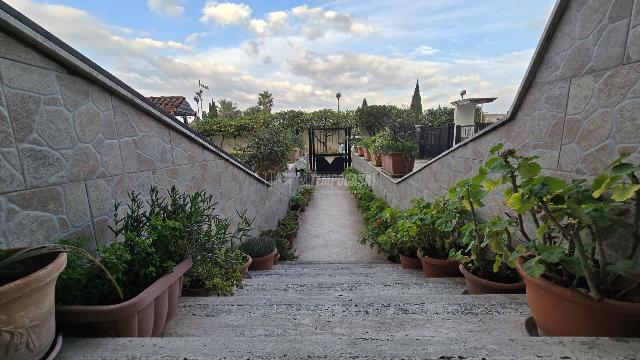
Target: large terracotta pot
column 407, row 262
column 27, row 311
column 479, row 286
column 435, row 268
column 397, row 164
column 559, row 311
column 276, row 259
column 360, row 151
column 263, row 262
column 143, row 316
column 245, row 269
column 367, row 155
column 377, row 160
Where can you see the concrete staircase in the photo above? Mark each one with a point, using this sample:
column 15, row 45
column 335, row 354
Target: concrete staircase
column 349, row 310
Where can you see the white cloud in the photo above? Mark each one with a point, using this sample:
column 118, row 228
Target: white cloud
column 318, row 21
column 225, row 13
column 281, row 59
column 274, row 23
column 172, row 8
column 96, row 36
column 425, row 50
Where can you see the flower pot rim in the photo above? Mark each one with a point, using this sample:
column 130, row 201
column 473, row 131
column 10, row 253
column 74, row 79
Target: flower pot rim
column 266, row 257
column 434, row 260
column 575, row 296
column 36, row 279
column 95, row 313
column 467, row 274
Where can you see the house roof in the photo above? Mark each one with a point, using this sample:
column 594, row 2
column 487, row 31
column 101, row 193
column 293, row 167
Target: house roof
column 174, row 105
column 473, row 101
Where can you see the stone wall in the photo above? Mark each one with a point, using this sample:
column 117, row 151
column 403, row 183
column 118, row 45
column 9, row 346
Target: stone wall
column 70, row 148
column 581, row 110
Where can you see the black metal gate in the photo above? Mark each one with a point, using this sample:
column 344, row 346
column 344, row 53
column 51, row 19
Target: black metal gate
column 433, row 141
column 329, row 150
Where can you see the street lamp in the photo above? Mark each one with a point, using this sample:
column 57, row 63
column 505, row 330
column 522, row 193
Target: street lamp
column 338, row 96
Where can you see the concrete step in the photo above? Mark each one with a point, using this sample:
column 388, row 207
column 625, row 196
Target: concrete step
column 368, row 315
column 341, row 310
column 327, row 346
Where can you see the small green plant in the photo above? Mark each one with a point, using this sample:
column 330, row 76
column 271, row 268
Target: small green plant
column 298, row 199
column 258, row 246
column 306, row 190
column 488, row 250
column 286, row 253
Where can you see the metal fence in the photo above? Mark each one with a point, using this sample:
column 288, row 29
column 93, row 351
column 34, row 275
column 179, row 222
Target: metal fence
column 433, row 141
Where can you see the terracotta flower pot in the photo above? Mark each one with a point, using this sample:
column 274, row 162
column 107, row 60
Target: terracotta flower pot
column 263, row 262
column 397, row 164
column 27, row 312
column 377, row 160
column 434, row 268
column 276, row 258
column 245, row 268
column 290, row 238
column 143, row 316
column 407, row 262
column 367, row 154
column 559, row 311
column 479, row 286
column 360, row 151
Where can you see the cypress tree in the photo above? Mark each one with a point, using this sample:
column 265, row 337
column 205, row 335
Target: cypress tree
column 364, row 103
column 213, row 110
column 416, row 101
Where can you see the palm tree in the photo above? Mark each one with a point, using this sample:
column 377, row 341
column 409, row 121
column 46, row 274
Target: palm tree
column 265, row 101
column 227, row 109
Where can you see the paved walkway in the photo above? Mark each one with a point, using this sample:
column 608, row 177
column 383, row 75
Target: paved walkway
column 331, row 226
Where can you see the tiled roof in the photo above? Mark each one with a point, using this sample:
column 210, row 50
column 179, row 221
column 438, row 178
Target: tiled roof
column 174, row 105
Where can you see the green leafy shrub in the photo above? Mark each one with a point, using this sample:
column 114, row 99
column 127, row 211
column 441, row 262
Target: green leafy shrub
column 574, row 222
column 267, row 151
column 407, row 146
column 153, row 237
column 258, row 246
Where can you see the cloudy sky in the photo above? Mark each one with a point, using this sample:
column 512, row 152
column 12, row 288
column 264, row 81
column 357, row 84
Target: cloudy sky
column 304, row 52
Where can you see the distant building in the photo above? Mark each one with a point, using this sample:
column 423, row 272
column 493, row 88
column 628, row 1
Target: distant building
column 177, row 106
column 491, row 118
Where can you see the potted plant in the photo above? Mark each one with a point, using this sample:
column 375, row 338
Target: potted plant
column 438, row 236
column 285, row 251
column 289, row 224
column 27, row 302
column 577, row 286
column 486, row 261
column 298, row 202
column 398, row 156
column 307, row 190
column 262, row 250
column 148, row 264
column 360, row 147
column 375, row 146
column 403, row 234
